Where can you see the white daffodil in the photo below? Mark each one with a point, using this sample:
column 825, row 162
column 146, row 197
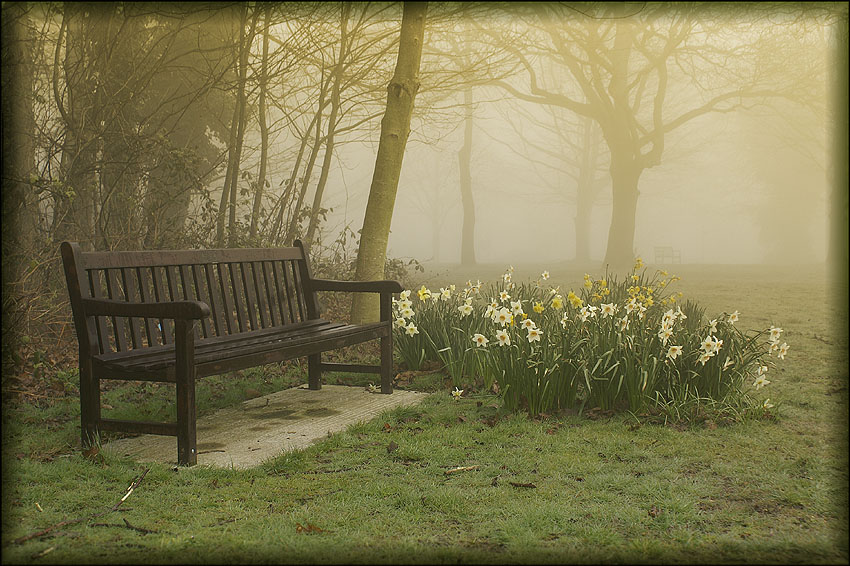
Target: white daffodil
column 503, row 296
column 712, row 326
column 679, row 314
column 564, row 320
column 733, row 318
column 465, row 310
column 503, row 337
column 704, row 357
column 528, row 324
column 760, row 382
column 400, row 322
column 516, row 308
column 457, row 393
column 411, row 329
column 583, row 314
column 480, row 340
column 707, row 344
column 674, row 352
column 405, row 304
column 534, row 335
column 767, row 404
column 608, row 309
column 502, row 316
column 445, row 294
column 665, row 335
column 624, row 323
column 405, row 295
column 783, row 349
column 407, row 313
column 775, row 333
column 631, row 305
column 545, row 275
column 762, row 370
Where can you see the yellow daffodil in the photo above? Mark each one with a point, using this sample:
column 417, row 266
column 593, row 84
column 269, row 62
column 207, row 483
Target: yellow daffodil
column 557, row 302
column 538, row 307
column 424, row 293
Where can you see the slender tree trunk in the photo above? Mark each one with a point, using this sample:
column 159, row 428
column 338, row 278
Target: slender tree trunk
column 586, row 190
column 464, row 157
column 242, row 103
column 329, row 138
column 283, row 203
column 264, row 130
column 295, row 217
column 232, row 158
column 395, row 129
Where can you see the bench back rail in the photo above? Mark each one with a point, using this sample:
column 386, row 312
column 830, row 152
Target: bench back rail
column 246, row 290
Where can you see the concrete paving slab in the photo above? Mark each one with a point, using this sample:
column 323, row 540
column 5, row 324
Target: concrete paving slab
column 258, row 429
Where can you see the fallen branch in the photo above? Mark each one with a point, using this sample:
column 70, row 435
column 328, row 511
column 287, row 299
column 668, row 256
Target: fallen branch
column 115, row 507
column 461, row 469
column 127, row 525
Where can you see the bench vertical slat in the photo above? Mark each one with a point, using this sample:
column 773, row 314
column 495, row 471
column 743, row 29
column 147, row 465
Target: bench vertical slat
column 118, row 325
column 202, row 294
column 161, row 294
column 298, row 290
column 189, row 290
column 282, row 282
column 172, row 278
column 145, row 292
column 308, row 296
column 100, row 321
column 260, row 286
column 249, row 285
column 215, row 299
column 227, row 300
column 275, row 311
column 238, row 296
column 130, row 294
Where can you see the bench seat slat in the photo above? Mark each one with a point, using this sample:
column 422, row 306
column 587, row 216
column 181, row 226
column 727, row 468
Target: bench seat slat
column 240, row 351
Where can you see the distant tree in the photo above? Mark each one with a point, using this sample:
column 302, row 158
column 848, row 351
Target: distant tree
column 641, row 72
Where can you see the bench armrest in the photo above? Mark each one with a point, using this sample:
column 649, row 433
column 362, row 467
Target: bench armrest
column 385, row 286
column 182, row 310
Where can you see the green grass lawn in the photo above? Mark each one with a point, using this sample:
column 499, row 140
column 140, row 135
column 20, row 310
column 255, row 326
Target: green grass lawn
column 564, row 488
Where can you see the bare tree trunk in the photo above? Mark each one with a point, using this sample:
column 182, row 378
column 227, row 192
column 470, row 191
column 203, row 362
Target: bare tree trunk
column 586, row 190
column 291, row 231
column 464, row 157
column 242, row 104
column 283, row 203
column 264, row 130
column 395, row 129
column 329, row 138
column 625, row 169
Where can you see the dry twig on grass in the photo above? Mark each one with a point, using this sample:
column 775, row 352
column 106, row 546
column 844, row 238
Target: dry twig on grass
column 135, row 483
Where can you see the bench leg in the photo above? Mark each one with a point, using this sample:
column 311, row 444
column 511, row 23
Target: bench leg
column 184, row 341
column 89, row 404
column 314, row 372
column 387, row 364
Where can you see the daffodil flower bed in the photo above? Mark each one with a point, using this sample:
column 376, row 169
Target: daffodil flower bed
column 611, row 344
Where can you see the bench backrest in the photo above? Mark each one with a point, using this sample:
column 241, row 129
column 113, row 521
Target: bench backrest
column 246, row 289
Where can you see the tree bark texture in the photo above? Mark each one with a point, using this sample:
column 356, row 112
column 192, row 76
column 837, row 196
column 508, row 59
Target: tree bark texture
column 395, row 129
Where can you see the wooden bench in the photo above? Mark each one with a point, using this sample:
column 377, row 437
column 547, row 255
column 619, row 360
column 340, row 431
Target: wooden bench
column 172, row 316
column 666, row 254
